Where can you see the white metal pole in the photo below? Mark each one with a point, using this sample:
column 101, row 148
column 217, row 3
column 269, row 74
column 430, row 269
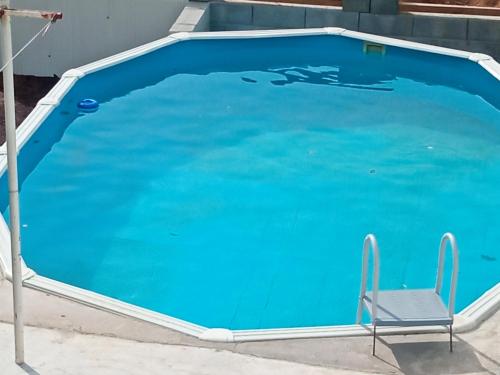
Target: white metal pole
column 10, row 134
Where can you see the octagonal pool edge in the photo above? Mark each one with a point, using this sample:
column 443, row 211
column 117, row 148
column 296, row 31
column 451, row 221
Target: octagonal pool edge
column 467, row 319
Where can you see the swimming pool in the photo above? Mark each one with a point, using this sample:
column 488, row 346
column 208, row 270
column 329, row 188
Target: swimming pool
column 230, row 182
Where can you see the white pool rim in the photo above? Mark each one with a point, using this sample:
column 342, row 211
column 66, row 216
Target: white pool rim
column 466, row 320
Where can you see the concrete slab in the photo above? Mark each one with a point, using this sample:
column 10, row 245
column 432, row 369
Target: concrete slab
column 321, row 17
column 392, row 25
column 476, row 352
column 58, row 352
column 194, row 17
column 192, row 13
column 182, row 27
column 44, row 310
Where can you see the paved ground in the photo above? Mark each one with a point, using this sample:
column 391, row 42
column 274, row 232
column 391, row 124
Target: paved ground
column 128, row 346
column 56, row 352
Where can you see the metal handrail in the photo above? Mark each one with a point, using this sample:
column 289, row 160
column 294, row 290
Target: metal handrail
column 369, row 240
column 448, row 237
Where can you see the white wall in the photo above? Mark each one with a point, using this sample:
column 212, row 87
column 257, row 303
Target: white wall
column 90, row 30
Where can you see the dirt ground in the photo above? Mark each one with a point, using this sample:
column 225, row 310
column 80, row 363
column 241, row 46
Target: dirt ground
column 28, row 90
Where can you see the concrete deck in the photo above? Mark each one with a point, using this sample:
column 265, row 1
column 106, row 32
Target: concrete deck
column 60, row 352
column 71, row 338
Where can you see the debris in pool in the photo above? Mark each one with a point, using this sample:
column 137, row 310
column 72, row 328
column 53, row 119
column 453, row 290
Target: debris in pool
column 36, row 141
column 488, row 258
column 173, row 234
column 372, row 171
column 65, row 113
column 248, row 80
column 88, row 105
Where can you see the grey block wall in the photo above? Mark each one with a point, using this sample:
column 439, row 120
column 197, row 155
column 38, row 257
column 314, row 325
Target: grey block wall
column 356, row 6
column 387, row 25
column 279, row 17
column 442, row 27
column 231, row 16
column 324, row 17
column 476, row 34
column 384, row 6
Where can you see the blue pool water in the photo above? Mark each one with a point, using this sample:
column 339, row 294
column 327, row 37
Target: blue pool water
column 231, row 183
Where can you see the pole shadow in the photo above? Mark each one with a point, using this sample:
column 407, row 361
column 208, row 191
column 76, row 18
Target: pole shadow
column 28, row 369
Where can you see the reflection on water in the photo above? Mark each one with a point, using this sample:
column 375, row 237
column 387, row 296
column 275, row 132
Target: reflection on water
column 341, row 76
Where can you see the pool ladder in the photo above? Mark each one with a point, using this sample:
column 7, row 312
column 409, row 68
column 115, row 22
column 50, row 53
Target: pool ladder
column 407, row 307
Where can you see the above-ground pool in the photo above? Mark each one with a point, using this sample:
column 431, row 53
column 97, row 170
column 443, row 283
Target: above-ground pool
column 230, row 182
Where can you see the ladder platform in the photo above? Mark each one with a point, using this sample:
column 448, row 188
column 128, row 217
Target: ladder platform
column 409, row 307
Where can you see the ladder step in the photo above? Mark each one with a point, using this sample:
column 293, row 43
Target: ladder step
column 409, row 307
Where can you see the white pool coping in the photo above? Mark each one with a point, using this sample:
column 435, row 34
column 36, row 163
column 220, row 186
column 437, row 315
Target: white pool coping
column 466, row 320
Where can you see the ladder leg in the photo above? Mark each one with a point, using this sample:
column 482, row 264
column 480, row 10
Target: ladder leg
column 451, row 338
column 374, row 338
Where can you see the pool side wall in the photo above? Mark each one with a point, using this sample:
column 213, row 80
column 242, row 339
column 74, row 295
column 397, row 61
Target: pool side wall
column 467, row 319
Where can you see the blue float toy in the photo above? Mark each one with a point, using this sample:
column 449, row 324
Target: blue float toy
column 88, row 105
